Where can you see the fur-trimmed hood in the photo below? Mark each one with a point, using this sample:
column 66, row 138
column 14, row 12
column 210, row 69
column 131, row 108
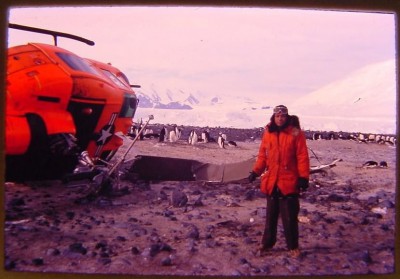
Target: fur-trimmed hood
column 292, row 120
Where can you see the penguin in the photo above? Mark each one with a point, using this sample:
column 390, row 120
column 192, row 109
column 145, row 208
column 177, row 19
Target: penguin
column 163, row 133
column 380, row 139
column 205, row 136
column 383, row 164
column 370, row 164
column 221, row 141
column 193, row 138
column 132, row 131
column 232, row 143
column 352, row 137
column 344, row 136
column 178, row 132
column 391, row 141
column 317, row 136
column 151, row 135
column 331, row 136
column 361, row 138
column 224, row 136
column 371, row 138
column 190, row 138
column 141, row 136
column 148, row 131
column 172, row 136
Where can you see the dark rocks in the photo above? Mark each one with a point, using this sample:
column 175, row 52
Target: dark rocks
column 166, row 261
column 121, row 238
column 135, row 250
column 53, row 252
column 363, row 256
column 211, row 243
column 16, row 202
column 311, row 199
column 105, row 261
column 372, row 201
column 262, row 212
column 387, row 204
column 70, row 215
column 165, row 247
column 38, row 262
column 336, row 198
column 385, row 227
column 9, row 264
column 348, row 189
column 193, row 232
column 236, row 273
column 316, row 217
column 216, row 231
column 199, row 201
column 168, row 213
column 77, row 248
column 196, row 192
column 162, row 196
column 153, row 249
column 344, row 220
column 330, row 220
column 346, row 207
column 101, row 245
column 192, row 246
column 382, row 194
column 249, row 240
column 250, row 195
column 137, row 230
column 178, row 198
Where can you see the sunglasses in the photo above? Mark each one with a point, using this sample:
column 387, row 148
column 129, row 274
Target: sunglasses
column 281, row 109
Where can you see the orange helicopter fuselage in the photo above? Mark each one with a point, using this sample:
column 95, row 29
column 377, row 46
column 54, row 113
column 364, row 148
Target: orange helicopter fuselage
column 71, row 95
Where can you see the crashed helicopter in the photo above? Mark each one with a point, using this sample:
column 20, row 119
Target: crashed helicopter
column 62, row 109
column 65, row 115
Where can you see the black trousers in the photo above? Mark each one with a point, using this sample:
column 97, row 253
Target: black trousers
column 288, row 207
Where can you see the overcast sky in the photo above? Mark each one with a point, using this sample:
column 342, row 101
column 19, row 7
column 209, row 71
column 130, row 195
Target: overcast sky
column 258, row 52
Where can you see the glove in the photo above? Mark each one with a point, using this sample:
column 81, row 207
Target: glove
column 302, row 183
column 252, row 176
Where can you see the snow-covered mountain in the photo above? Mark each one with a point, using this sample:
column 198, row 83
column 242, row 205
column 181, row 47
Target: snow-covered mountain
column 181, row 99
column 171, row 100
column 364, row 101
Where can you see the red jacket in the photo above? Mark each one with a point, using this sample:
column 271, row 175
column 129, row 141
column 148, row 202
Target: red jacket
column 282, row 159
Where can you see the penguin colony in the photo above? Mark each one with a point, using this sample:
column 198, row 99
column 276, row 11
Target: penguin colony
column 172, row 133
column 389, row 140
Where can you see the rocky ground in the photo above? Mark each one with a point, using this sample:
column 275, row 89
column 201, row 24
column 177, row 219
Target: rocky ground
column 347, row 220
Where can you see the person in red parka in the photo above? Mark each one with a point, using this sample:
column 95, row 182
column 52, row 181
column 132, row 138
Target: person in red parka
column 284, row 166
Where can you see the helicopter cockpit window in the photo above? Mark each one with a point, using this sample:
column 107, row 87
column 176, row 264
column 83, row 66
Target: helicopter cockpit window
column 115, row 79
column 129, row 106
column 77, row 63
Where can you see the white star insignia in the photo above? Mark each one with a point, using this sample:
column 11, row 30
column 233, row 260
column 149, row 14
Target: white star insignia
column 105, row 134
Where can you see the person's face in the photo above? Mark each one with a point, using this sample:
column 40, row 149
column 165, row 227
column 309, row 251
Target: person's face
column 280, row 119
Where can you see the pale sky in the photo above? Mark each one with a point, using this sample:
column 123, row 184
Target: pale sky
column 258, row 52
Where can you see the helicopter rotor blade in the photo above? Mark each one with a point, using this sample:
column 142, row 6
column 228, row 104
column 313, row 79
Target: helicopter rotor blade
column 55, row 34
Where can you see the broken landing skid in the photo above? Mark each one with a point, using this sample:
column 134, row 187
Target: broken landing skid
column 101, row 178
